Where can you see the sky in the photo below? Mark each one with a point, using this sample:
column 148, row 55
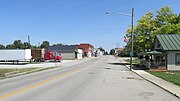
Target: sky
column 73, row 21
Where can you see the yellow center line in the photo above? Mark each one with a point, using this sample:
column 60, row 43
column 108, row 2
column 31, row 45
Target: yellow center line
column 36, row 85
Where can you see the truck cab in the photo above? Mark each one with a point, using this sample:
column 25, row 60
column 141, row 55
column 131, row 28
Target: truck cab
column 53, row 56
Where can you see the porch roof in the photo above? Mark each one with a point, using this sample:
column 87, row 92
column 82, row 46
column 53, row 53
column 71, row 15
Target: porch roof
column 150, row 53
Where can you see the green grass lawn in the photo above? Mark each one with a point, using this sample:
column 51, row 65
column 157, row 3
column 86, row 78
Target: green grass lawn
column 8, row 70
column 171, row 76
column 135, row 61
column 21, row 70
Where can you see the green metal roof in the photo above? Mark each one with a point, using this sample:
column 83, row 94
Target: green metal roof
column 169, row 42
column 150, row 53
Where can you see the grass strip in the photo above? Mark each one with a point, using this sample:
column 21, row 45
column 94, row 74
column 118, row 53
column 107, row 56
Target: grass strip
column 171, row 76
column 135, row 61
column 22, row 71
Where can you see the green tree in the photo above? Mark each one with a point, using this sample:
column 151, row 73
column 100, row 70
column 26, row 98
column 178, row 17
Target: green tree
column 10, row 46
column 101, row 49
column 143, row 33
column 58, row 44
column 167, row 22
column 112, row 52
column 26, row 45
column 2, row 46
column 34, row 46
column 164, row 22
column 164, row 16
column 18, row 44
column 45, row 44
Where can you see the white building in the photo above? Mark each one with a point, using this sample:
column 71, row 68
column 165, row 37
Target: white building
column 68, row 51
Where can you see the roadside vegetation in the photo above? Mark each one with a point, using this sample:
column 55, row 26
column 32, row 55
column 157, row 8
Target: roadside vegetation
column 4, row 71
column 17, row 72
column 171, row 76
column 135, row 61
column 163, row 21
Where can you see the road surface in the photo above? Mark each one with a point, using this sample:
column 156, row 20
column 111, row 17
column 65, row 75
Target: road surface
column 94, row 79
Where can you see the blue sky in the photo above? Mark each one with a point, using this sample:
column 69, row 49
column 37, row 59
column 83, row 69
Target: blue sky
column 72, row 21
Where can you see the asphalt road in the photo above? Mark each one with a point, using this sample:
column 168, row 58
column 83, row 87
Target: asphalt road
column 93, row 79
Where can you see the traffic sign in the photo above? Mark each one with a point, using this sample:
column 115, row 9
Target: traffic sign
column 131, row 54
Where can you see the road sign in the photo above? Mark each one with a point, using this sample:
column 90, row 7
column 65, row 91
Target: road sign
column 131, row 54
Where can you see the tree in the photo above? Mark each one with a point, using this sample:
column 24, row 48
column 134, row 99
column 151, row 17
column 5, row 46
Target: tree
column 34, row 46
column 106, row 53
column 10, row 46
column 164, row 22
column 58, row 44
column 101, row 49
column 164, row 16
column 112, row 52
column 18, row 44
column 142, row 33
column 2, row 46
column 27, row 45
column 167, row 22
column 45, row 44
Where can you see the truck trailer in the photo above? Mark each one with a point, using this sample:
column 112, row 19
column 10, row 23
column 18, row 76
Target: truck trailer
column 37, row 54
column 15, row 55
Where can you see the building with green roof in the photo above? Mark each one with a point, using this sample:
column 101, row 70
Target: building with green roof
column 169, row 44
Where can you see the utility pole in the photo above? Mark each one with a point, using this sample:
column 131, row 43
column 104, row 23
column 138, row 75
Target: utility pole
column 29, row 43
column 132, row 31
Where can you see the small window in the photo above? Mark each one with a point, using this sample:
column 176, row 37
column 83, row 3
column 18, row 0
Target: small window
column 177, row 59
column 158, row 45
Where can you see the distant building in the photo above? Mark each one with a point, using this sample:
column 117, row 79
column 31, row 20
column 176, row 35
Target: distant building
column 118, row 51
column 87, row 48
column 98, row 52
column 68, row 51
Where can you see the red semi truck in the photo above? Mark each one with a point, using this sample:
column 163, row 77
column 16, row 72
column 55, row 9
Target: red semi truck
column 53, row 56
column 39, row 55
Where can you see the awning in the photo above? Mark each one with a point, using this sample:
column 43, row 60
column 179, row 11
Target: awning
column 150, row 53
column 154, row 53
column 142, row 53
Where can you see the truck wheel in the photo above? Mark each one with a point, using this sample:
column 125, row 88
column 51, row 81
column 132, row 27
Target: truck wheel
column 17, row 61
column 42, row 60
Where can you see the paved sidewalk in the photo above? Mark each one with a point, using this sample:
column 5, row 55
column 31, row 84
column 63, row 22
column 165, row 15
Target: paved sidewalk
column 170, row 87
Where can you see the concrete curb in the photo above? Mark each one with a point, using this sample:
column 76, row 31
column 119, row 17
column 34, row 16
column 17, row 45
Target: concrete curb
column 153, row 82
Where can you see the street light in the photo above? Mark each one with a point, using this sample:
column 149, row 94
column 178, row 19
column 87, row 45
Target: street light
column 132, row 30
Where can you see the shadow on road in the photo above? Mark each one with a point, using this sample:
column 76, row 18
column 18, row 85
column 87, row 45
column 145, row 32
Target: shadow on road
column 4, row 63
column 119, row 63
column 134, row 67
